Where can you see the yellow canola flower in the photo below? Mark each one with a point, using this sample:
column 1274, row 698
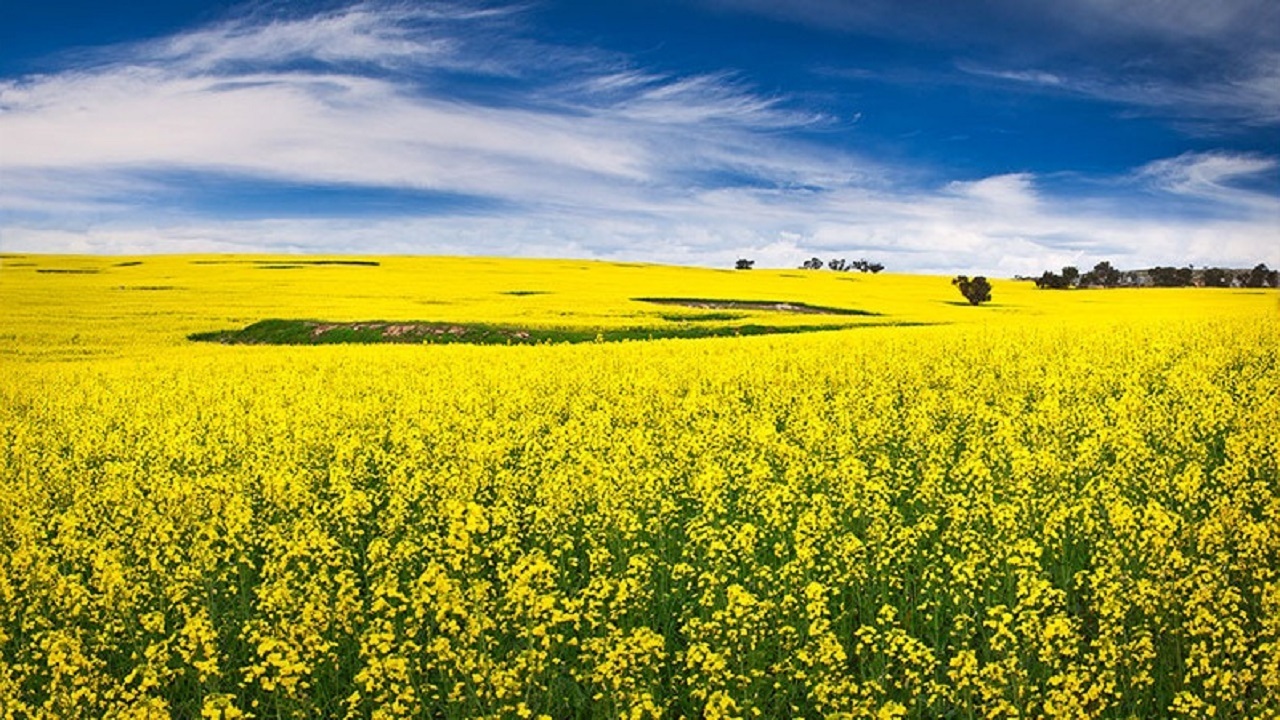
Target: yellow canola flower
column 1060, row 505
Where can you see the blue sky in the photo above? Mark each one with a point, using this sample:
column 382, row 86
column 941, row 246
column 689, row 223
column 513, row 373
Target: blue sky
column 992, row 136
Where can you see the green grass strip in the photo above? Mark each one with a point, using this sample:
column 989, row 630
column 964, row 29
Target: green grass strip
column 317, row 332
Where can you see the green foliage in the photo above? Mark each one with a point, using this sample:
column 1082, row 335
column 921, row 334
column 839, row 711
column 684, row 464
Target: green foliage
column 1103, row 275
column 976, row 291
column 1052, row 281
column 1171, row 276
column 1260, row 277
column 1216, row 277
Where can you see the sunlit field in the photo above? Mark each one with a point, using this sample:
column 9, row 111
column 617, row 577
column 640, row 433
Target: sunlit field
column 1056, row 504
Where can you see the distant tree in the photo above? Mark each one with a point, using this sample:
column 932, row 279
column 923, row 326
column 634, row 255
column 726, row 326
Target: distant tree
column 1260, row 277
column 1071, row 275
column 838, row 265
column 863, row 265
column 1110, row 276
column 1102, row 275
column 1052, row 281
column 1216, row 277
column 812, row 264
column 744, row 264
column 1161, row 276
column 976, row 291
column 1170, row 276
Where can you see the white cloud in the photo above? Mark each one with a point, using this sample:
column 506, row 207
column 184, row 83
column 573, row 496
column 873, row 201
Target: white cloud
column 1037, row 77
column 360, row 35
column 219, row 99
column 1208, row 174
column 999, row 226
column 324, row 128
column 707, row 99
column 1014, row 192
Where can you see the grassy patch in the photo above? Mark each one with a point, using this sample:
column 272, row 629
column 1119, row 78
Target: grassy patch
column 316, row 332
column 767, row 305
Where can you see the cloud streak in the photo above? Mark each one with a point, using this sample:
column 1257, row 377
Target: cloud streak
column 1248, row 93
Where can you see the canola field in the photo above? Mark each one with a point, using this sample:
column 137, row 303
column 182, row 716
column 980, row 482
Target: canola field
column 1061, row 504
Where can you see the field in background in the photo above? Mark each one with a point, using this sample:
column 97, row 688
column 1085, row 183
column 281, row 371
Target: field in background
column 65, row 307
column 1064, row 504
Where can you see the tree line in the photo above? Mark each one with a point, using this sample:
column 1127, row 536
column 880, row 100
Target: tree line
column 1103, row 275
column 837, row 264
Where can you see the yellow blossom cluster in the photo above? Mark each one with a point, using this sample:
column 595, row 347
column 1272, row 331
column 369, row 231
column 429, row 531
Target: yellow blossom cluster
column 1033, row 514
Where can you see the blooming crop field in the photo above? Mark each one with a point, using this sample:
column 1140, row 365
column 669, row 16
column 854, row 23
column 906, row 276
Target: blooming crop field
column 1060, row 504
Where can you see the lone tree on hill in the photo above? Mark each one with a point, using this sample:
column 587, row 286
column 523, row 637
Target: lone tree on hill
column 744, row 264
column 976, row 291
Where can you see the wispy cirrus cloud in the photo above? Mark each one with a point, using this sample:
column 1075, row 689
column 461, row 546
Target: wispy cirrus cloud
column 223, row 99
